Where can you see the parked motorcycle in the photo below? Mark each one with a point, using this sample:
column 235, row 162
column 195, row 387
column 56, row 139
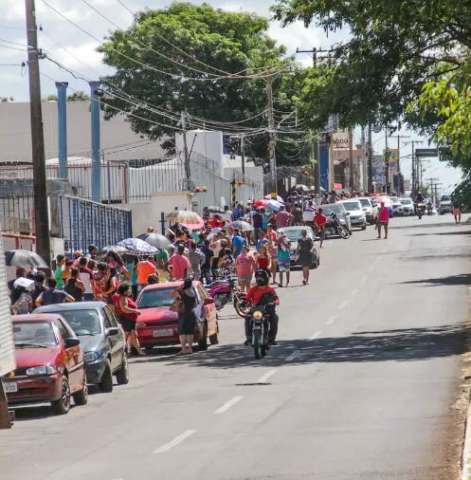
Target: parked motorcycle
column 221, row 291
column 335, row 228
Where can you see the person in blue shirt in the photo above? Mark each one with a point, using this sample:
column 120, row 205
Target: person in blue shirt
column 238, row 243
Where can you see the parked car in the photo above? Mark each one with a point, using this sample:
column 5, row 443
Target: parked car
column 294, row 234
column 395, row 207
column 371, row 211
column 50, row 367
column 101, row 337
column 157, row 324
column 407, row 207
column 341, row 213
column 356, row 213
column 445, row 205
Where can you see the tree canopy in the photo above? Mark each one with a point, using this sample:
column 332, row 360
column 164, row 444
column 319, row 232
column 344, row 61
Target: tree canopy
column 210, row 63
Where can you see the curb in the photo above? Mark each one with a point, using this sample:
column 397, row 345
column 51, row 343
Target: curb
column 466, row 459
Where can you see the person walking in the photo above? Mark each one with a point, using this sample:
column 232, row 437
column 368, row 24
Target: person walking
column 238, row 243
column 263, row 259
column 184, row 305
column 178, row 264
column 144, row 268
column 245, row 268
column 456, row 211
column 86, row 277
column 126, row 309
column 305, row 246
column 284, row 258
column 320, row 221
column 383, row 220
column 58, row 271
column 197, row 259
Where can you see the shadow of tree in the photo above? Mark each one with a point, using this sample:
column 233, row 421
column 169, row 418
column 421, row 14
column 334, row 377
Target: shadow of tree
column 451, row 280
column 396, row 345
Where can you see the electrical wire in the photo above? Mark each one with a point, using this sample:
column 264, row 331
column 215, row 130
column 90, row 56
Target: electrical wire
column 13, row 48
column 147, row 66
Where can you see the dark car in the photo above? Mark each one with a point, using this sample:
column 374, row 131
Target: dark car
column 101, row 337
column 49, row 364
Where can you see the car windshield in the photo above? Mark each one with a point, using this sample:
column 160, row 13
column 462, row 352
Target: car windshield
column 83, row 322
column 445, row 198
column 406, row 201
column 350, row 206
column 336, row 208
column 156, row 297
column 365, row 202
column 295, row 234
column 33, row 334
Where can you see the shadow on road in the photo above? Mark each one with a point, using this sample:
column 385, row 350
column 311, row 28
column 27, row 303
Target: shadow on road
column 454, row 232
column 425, row 224
column 398, row 345
column 451, row 280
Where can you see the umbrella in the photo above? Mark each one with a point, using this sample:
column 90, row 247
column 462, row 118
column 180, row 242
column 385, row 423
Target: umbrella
column 24, row 259
column 136, row 245
column 262, row 203
column 156, row 240
column 274, row 197
column 190, row 220
column 242, row 226
column 115, row 248
column 274, row 205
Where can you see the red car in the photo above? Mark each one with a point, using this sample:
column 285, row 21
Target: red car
column 49, row 361
column 158, row 324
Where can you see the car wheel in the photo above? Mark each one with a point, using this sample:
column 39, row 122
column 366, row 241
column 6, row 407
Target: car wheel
column 62, row 406
column 363, row 227
column 81, row 398
column 214, row 339
column 106, row 384
column 122, row 375
column 203, row 341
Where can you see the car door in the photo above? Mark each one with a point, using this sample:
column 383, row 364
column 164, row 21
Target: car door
column 114, row 341
column 73, row 356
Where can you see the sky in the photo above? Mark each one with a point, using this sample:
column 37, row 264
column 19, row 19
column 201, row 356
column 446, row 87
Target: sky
column 77, row 51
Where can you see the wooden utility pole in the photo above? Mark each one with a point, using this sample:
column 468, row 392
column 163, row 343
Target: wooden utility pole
column 386, row 161
column 41, row 217
column 242, row 155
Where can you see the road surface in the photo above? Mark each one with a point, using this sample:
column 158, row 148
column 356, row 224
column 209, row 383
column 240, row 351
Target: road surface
column 362, row 385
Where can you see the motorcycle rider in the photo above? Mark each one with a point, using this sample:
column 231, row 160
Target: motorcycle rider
column 255, row 296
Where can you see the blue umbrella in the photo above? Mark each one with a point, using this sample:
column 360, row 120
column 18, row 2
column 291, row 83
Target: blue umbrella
column 136, row 245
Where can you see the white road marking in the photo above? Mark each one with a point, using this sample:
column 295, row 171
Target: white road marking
column 355, row 292
column 228, row 405
column 176, row 441
column 331, row 319
column 315, row 335
column 291, row 356
column 264, row 378
column 343, row 304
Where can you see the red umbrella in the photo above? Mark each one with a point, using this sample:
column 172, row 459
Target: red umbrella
column 262, row 203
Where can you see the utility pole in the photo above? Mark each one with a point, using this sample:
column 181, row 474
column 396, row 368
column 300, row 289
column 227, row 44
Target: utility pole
column 350, row 157
column 370, row 159
column 386, row 161
column 413, row 171
column 187, row 156
column 41, row 215
column 272, row 141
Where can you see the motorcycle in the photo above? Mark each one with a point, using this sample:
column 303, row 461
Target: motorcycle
column 260, row 322
column 335, row 228
column 225, row 290
column 420, row 210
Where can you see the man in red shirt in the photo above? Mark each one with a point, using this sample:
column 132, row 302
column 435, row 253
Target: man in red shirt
column 255, row 296
column 283, row 218
column 320, row 221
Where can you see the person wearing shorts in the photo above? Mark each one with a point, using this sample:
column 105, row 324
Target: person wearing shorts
column 457, row 211
column 245, row 268
column 284, row 258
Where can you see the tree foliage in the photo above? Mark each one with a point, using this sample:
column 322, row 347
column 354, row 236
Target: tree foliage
column 393, row 49
column 189, row 48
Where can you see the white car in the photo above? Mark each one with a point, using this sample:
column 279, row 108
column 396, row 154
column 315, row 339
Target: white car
column 445, row 205
column 355, row 212
column 294, row 234
column 407, row 207
column 371, row 211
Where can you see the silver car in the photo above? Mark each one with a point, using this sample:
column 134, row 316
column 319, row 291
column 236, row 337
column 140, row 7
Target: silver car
column 294, row 234
column 356, row 213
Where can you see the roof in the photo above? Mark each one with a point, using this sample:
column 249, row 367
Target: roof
column 35, row 317
column 57, row 307
column 118, row 140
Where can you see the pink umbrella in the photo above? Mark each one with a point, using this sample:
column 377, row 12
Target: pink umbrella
column 262, row 203
column 190, row 220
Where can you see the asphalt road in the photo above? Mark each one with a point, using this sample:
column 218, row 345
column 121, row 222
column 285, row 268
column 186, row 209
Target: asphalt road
column 362, row 385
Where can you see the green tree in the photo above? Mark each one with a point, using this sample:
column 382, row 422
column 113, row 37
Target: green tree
column 78, row 96
column 192, row 50
column 392, row 49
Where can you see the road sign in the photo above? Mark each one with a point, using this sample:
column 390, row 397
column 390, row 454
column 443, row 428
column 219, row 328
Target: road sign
column 426, row 152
